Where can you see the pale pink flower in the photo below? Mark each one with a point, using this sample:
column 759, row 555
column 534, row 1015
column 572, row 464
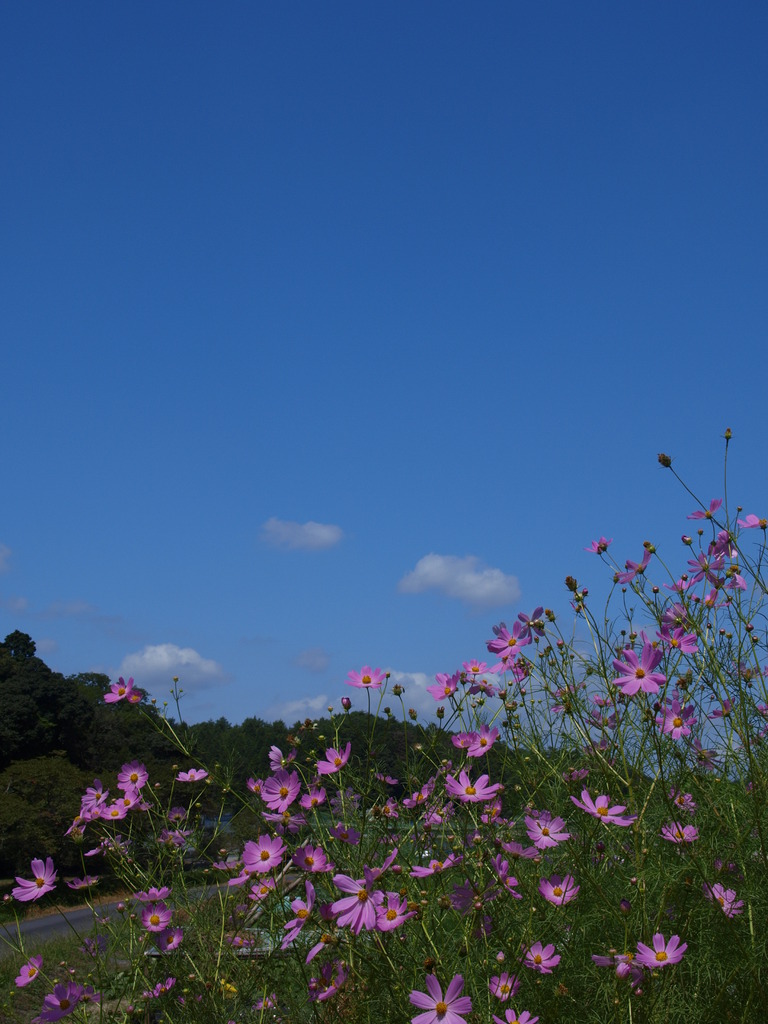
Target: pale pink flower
column 43, row 881
column 663, row 953
column 441, row 1009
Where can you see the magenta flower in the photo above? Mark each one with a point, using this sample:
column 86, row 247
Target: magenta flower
column 193, row 775
column 359, row 909
column 133, row 775
column 302, row 909
column 633, row 568
column 482, row 741
column 332, row 977
column 504, row 986
column 599, row 809
column 29, row 971
column 511, row 1017
column 314, row 798
column 436, row 866
column 394, row 913
column 153, row 894
column 441, row 1009
column 624, row 965
column 674, row 832
column 676, row 720
column 62, row 1001
column 44, row 881
column 334, row 760
column 367, row 678
column 752, row 522
column 663, row 953
column 475, row 667
column 638, row 673
column 541, row 958
column 122, row 691
column 714, row 505
column 597, row 547
column 725, row 898
column 156, row 917
column 263, row 855
column 311, row 858
column 678, row 640
column 467, row 792
column 280, row 790
column 545, row 831
column 168, row 939
column 509, row 643
column 559, row 890
column 83, row 883
column 444, row 685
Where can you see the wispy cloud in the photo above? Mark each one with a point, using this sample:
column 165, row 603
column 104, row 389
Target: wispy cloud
column 15, row 604
column 5, row 558
column 314, row 659
column 306, row 707
column 154, row 668
column 311, row 536
column 463, row 578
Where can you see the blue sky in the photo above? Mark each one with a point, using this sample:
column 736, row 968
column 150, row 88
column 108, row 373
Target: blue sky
column 333, row 333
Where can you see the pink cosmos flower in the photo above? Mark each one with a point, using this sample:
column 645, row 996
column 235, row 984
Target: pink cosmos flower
column 302, row 909
column 133, row 775
column 482, row 741
column 541, row 958
column 367, row 678
column 597, row 547
column 557, row 890
column 676, row 720
column 444, row 685
column 663, row 953
column 509, row 643
column 752, row 522
column 624, row 964
column 344, row 834
column 633, row 568
column 684, row 801
column 504, row 986
column 394, row 913
column 44, row 881
column 511, row 1017
column 678, row 640
column 311, row 858
column 83, row 883
column 156, row 917
column 545, row 831
column 193, row 775
column 63, row 1000
column 600, row 810
column 638, row 673
column 314, row 798
column 168, row 939
column 332, row 977
column 263, row 855
column 29, row 971
column 122, row 691
column 467, row 792
column 674, row 832
column 475, row 667
column 517, row 850
column 725, row 898
column 153, row 894
column 359, row 909
column 334, row 760
column 280, row 790
column 441, row 1009
column 436, row 866
column 714, row 505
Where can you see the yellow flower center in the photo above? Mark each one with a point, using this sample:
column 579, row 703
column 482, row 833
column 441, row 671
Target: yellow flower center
column 391, row 915
column 661, row 957
column 557, row 891
column 154, row 919
column 470, row 790
column 639, row 673
column 602, row 811
column 362, row 895
column 264, row 855
column 677, row 722
column 441, row 1008
column 366, row 680
column 302, row 914
column 283, row 792
column 39, row 882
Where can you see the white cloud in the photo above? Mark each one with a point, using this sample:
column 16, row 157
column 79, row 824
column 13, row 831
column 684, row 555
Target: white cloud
column 5, row 557
column 15, row 605
column 464, row 578
column 281, row 533
column 314, row 659
column 305, row 707
column 154, row 667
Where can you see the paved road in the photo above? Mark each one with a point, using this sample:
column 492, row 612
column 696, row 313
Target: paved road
column 40, row 929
